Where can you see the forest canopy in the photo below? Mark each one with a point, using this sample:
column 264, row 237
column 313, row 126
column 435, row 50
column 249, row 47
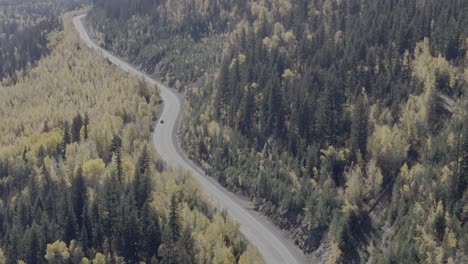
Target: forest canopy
column 345, row 121
column 24, row 27
column 80, row 181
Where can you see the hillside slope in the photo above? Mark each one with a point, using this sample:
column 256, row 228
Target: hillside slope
column 79, row 179
column 343, row 120
column 271, row 244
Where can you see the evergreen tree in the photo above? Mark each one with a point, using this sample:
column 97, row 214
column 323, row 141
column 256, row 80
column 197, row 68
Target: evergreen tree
column 325, row 118
column 25, row 152
column 359, row 125
column 174, row 223
column 76, row 128
column 459, row 181
column 246, row 114
column 223, row 92
column 86, row 127
column 41, row 154
column 111, row 200
column 130, row 234
column 79, row 196
column 116, row 144
column 142, row 181
column 167, row 250
column 70, row 232
column 34, row 250
column 151, row 232
column 143, row 160
column 84, row 237
column 186, row 248
column 96, row 231
column 66, row 139
column 119, row 165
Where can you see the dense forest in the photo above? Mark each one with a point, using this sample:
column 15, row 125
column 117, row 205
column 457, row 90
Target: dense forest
column 343, row 120
column 24, row 27
column 80, row 181
column 183, row 50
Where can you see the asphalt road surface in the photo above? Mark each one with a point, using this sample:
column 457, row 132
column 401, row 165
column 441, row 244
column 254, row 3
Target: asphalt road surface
column 274, row 247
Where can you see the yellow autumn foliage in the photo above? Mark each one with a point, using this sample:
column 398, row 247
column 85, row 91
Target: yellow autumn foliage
column 93, row 168
column 71, row 80
column 2, row 257
column 99, row 259
column 250, row 256
column 425, row 66
column 389, row 146
column 57, row 252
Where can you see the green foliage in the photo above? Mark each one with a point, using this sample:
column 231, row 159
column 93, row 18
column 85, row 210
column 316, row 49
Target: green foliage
column 79, row 197
column 360, row 125
column 181, row 52
column 76, row 128
column 88, row 191
column 329, row 114
column 23, row 23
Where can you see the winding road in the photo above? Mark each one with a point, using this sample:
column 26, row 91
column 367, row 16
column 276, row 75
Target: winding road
column 274, row 247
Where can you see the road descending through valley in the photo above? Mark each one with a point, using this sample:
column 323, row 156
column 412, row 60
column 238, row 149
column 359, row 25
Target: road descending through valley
column 274, row 247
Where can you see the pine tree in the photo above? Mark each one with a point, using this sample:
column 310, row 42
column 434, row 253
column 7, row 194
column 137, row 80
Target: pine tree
column 70, row 232
column 459, row 182
column 25, row 152
column 84, row 237
column 86, row 127
column 131, row 236
column 246, row 114
column 143, row 160
column 66, row 139
column 174, row 223
column 76, row 128
column 233, row 92
column 142, row 182
column 111, row 200
column 222, row 92
column 96, row 230
column 167, row 250
column 116, row 144
column 186, row 248
column 463, row 171
column 34, row 250
column 79, row 196
column 41, row 154
column 151, row 232
column 46, row 127
column 325, row 118
column 359, row 125
column 439, row 223
column 119, row 165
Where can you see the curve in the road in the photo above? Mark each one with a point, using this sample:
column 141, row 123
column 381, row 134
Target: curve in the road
column 271, row 244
